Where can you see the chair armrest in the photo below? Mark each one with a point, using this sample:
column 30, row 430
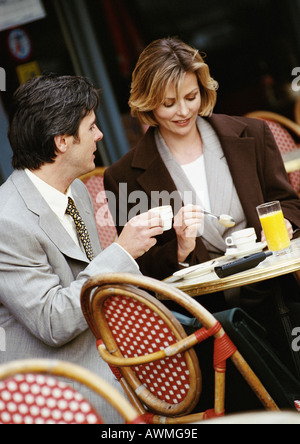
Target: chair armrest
column 172, row 350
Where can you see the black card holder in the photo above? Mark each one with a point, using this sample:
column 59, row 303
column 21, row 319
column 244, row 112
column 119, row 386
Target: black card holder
column 243, row 264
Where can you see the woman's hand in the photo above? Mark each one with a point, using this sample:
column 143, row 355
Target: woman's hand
column 289, row 228
column 186, row 225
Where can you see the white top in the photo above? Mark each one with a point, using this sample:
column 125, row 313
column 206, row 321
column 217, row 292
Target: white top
column 196, row 174
column 58, row 203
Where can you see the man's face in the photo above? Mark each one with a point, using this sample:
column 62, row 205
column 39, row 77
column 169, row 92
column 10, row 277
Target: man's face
column 83, row 148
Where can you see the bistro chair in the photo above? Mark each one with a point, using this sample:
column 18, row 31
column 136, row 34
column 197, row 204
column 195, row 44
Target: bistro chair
column 150, row 353
column 286, row 134
column 94, row 182
column 30, row 393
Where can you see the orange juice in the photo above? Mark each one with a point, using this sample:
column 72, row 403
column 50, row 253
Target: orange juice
column 275, row 231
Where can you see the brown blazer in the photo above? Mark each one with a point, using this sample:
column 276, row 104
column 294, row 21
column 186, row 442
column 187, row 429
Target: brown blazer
column 257, row 170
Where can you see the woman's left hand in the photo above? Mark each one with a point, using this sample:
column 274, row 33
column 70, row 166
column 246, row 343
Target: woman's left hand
column 289, row 228
column 186, row 224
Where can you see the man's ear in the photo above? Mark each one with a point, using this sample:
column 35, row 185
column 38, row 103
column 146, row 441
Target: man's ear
column 62, row 143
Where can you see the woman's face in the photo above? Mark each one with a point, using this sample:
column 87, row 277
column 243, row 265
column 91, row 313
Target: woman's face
column 178, row 116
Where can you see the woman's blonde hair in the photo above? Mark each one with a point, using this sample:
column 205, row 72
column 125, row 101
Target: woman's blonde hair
column 165, row 61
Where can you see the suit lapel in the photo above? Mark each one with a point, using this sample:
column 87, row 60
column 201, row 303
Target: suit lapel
column 59, row 236
column 48, row 221
column 154, row 174
column 220, row 185
column 156, row 178
column 220, row 193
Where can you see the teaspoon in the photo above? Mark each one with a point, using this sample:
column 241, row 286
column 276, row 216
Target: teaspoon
column 224, row 219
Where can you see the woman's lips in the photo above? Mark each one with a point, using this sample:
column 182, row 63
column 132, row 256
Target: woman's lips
column 182, row 122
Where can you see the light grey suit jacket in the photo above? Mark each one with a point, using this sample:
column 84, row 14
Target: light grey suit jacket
column 42, row 272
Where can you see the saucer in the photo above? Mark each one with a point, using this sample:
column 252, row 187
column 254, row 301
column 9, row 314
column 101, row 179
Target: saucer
column 235, row 253
column 196, row 270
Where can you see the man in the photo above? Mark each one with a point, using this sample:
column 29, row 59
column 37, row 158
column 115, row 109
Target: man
column 45, row 257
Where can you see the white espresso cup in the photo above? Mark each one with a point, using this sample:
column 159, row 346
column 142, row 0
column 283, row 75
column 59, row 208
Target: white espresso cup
column 243, row 239
column 166, row 214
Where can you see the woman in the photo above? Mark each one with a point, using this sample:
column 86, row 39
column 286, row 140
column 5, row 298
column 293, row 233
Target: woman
column 227, row 165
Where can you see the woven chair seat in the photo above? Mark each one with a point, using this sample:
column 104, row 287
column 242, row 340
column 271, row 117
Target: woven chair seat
column 41, row 399
column 138, row 330
column 33, row 392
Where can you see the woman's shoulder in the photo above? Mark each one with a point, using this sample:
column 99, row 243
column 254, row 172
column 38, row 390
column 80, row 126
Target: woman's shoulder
column 238, row 120
column 248, row 126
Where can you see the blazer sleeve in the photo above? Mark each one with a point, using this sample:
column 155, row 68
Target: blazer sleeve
column 43, row 297
column 275, row 182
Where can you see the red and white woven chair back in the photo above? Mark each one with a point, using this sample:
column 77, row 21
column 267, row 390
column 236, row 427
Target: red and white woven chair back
column 286, row 144
column 139, row 331
column 105, row 223
column 297, row 406
column 42, row 399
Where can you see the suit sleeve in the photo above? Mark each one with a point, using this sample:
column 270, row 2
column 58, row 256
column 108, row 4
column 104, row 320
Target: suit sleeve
column 35, row 294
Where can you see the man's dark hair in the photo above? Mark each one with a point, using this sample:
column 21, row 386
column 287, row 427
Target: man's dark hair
column 43, row 108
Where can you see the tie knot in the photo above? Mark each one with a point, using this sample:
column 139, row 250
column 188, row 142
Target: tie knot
column 71, row 206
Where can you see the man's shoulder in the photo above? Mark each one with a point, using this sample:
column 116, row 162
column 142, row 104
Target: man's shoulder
column 16, row 220
column 79, row 186
column 9, row 196
column 80, row 190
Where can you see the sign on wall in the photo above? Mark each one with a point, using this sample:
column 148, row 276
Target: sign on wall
column 19, row 44
column 19, row 12
column 28, row 71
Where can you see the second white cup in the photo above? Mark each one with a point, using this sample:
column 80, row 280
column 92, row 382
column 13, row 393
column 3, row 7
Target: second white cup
column 243, row 239
column 166, row 214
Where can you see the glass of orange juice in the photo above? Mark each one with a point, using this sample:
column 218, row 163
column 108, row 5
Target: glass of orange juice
column 273, row 223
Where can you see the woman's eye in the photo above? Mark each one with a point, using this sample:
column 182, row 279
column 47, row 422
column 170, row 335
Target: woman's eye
column 168, row 104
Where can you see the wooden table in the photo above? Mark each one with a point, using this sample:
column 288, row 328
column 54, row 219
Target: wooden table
column 292, row 161
column 272, row 267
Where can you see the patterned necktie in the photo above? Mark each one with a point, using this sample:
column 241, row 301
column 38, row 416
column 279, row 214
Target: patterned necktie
column 81, row 228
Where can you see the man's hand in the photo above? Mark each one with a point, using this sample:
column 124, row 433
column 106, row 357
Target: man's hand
column 138, row 235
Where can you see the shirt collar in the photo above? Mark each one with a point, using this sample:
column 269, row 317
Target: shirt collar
column 56, row 200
